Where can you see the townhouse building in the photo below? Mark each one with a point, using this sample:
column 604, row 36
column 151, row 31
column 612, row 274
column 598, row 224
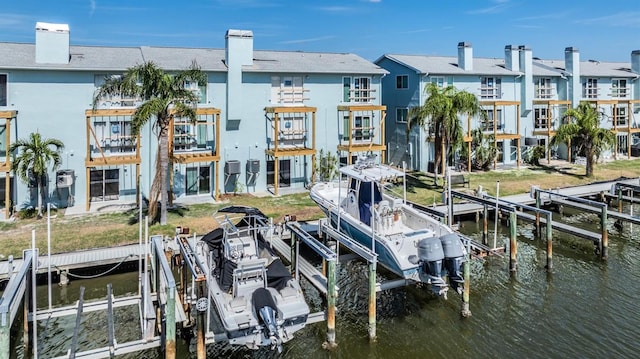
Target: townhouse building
column 262, row 118
column 524, row 99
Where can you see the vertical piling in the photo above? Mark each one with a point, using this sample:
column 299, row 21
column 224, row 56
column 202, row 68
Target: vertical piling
column 538, row 233
column 170, row 324
column 372, row 300
column 294, row 258
column 466, row 312
column 605, row 235
column 513, row 245
column 200, row 347
column 549, row 228
column 331, row 304
column 5, row 336
column 485, row 225
column 620, row 200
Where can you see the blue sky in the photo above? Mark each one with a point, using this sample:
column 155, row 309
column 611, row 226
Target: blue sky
column 605, row 30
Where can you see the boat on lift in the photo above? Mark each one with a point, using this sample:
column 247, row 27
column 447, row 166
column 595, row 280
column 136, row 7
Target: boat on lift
column 409, row 242
column 258, row 301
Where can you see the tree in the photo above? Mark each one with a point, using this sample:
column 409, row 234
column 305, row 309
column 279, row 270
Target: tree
column 439, row 115
column 163, row 96
column 34, row 157
column 585, row 133
column 484, row 149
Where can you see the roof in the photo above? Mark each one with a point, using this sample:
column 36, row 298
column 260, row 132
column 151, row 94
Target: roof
column 311, row 62
column 587, row 68
column 106, row 58
column 448, row 65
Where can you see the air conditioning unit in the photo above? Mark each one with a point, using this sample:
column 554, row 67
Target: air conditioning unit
column 253, row 166
column 232, row 167
column 64, row 178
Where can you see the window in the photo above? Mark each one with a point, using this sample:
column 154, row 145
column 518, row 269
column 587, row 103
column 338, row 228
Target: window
column 3, row 141
column 490, row 88
column 3, row 89
column 3, row 193
column 190, row 137
column 199, row 90
column 438, row 80
column 402, row 115
column 620, row 115
column 357, row 89
column 543, row 88
column 198, row 180
column 541, row 117
column 360, row 130
column 115, row 100
column 104, row 184
column 287, row 90
column 114, row 134
column 619, row 88
column 487, row 125
column 590, row 88
column 402, row 82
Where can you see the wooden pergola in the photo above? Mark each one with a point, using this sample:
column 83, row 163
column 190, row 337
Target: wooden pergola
column 212, row 118
column 376, row 141
column 278, row 147
column 102, row 159
column 629, row 128
column 5, row 166
column 549, row 130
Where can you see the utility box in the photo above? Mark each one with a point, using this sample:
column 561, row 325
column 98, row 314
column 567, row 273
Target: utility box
column 253, row 166
column 232, row 167
column 64, row 178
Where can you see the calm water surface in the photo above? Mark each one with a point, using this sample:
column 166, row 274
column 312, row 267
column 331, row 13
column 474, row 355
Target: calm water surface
column 586, row 309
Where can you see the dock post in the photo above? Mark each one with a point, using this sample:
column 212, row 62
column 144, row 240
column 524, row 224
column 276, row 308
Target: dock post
column 170, row 325
column 294, row 258
column 620, row 200
column 485, row 225
column 331, row 305
column 5, row 336
column 466, row 312
column 605, row 235
column 549, row 228
column 538, row 233
column 513, row 245
column 372, row 300
column 200, row 346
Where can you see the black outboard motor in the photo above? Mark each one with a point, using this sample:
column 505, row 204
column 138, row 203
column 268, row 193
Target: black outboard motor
column 453, row 259
column 430, row 257
column 265, row 306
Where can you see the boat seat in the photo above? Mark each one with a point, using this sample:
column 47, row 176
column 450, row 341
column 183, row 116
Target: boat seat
column 288, row 292
column 397, row 204
column 383, row 207
column 238, row 304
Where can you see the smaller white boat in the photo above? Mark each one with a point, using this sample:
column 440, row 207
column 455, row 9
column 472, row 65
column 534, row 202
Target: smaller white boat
column 258, row 301
column 408, row 242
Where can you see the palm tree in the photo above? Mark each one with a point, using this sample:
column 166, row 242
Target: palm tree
column 163, row 96
column 585, row 133
column 33, row 160
column 439, row 115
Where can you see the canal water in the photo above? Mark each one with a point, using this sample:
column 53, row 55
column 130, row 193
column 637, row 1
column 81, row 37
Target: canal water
column 587, row 308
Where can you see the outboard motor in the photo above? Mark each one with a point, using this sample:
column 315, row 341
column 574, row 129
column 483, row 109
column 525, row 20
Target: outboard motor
column 453, row 259
column 265, row 306
column 430, row 256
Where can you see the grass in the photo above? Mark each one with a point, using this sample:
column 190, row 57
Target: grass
column 112, row 229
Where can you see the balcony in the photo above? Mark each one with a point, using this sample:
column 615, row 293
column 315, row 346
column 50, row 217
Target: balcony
column 361, row 95
column 545, row 92
column 620, row 92
column 490, row 93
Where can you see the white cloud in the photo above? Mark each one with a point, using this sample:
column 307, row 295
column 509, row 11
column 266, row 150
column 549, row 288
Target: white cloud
column 302, row 41
column 13, row 20
column 500, row 6
column 622, row 19
column 335, row 8
column 92, row 7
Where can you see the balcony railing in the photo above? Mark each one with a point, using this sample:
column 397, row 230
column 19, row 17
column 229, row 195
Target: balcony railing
column 620, row 92
column 361, row 95
column 490, row 93
column 545, row 92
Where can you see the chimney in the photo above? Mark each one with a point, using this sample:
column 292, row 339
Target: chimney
column 465, row 56
column 572, row 66
column 511, row 61
column 238, row 53
column 527, row 88
column 635, row 62
column 52, row 43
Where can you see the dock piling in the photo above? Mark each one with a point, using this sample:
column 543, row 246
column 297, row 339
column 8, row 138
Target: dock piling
column 331, row 305
column 549, row 228
column 466, row 312
column 605, row 235
column 485, row 225
column 372, row 300
column 513, row 244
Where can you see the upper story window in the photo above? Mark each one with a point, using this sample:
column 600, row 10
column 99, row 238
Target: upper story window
column 192, row 137
column 3, row 89
column 402, row 114
column 619, row 88
column 357, row 89
column 3, row 140
column 590, row 88
column 402, row 82
column 493, row 117
column 620, row 115
column 115, row 100
column 541, row 117
column 287, row 90
column 490, row 88
column 114, row 134
column 543, row 87
column 438, row 80
column 199, row 90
